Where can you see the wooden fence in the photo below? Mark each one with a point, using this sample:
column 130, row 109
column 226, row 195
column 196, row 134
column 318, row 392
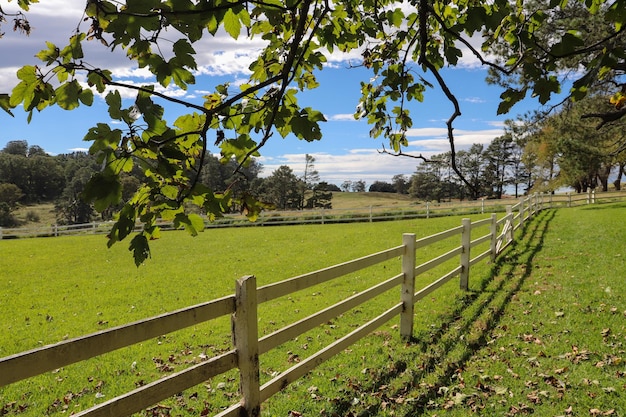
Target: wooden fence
column 242, row 306
column 321, row 216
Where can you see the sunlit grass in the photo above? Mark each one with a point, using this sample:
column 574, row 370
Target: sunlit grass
column 540, row 331
column 59, row 288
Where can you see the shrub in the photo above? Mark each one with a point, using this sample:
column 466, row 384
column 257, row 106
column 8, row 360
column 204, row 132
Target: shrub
column 32, row 216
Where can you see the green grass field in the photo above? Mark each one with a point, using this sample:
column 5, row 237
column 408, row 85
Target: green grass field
column 543, row 329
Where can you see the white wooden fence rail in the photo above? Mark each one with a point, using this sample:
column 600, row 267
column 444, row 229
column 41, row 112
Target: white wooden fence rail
column 242, row 306
column 425, row 210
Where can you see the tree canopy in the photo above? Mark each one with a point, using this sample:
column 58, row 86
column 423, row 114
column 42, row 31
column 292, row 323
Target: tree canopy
column 538, row 47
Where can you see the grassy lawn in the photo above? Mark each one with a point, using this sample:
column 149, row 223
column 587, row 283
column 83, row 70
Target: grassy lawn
column 541, row 331
column 544, row 335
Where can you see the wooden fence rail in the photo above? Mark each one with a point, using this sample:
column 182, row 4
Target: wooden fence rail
column 371, row 214
column 243, row 307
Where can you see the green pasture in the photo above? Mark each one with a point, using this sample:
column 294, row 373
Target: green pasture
column 465, row 342
column 59, row 288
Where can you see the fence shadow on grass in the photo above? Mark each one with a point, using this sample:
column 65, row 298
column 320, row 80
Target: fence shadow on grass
column 431, row 361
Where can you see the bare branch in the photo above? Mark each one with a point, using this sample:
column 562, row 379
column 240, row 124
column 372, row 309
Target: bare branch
column 408, row 155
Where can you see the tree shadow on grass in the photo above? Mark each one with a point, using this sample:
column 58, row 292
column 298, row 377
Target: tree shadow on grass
column 431, row 361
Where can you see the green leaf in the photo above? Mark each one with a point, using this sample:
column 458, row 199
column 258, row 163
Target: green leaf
column 305, row 124
column 86, row 97
column 193, row 223
column 123, row 226
column 48, row 55
column 67, row 95
column 24, row 91
column 97, row 79
column 103, row 138
column 5, row 103
column 238, row 148
column 232, row 25
column 114, row 100
column 140, row 248
column 544, row 87
column 103, row 190
column 170, row 191
column 568, row 45
column 73, row 51
column 182, row 77
column 509, row 98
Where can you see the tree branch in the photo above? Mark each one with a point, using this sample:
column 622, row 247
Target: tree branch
column 606, row 117
column 424, row 12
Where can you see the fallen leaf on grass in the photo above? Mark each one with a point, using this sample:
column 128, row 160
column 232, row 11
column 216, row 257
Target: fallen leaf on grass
column 597, row 412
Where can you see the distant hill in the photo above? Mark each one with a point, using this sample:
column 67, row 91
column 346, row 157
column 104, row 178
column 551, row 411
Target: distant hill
column 343, row 200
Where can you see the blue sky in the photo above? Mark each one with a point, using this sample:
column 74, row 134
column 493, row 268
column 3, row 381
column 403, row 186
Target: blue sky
column 346, row 152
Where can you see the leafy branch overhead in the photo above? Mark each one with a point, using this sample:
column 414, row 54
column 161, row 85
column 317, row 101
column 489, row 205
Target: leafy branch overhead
column 533, row 47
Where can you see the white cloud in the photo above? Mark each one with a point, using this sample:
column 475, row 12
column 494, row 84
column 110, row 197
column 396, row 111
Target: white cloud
column 345, row 117
column 474, row 100
column 436, row 139
column 364, row 164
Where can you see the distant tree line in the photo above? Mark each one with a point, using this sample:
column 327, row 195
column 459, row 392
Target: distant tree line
column 28, row 175
column 542, row 152
column 489, row 171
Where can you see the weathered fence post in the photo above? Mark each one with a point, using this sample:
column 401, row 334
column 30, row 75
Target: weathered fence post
column 408, row 286
column 482, row 205
column 246, row 335
column 588, row 195
column 521, row 212
column 494, row 236
column 509, row 215
column 569, row 199
column 427, row 209
column 593, row 196
column 466, row 240
column 370, row 214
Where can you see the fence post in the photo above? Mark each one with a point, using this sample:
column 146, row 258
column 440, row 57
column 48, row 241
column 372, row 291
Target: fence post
column 246, row 335
column 482, row 205
column 588, row 195
column 466, row 239
column 0, row 233
column 494, row 236
column 370, row 214
column 550, row 200
column 593, row 196
column 521, row 212
column 427, row 209
column 509, row 215
column 408, row 286
column 569, row 199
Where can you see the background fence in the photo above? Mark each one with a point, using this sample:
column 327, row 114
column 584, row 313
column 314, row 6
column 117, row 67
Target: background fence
column 367, row 214
column 243, row 307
